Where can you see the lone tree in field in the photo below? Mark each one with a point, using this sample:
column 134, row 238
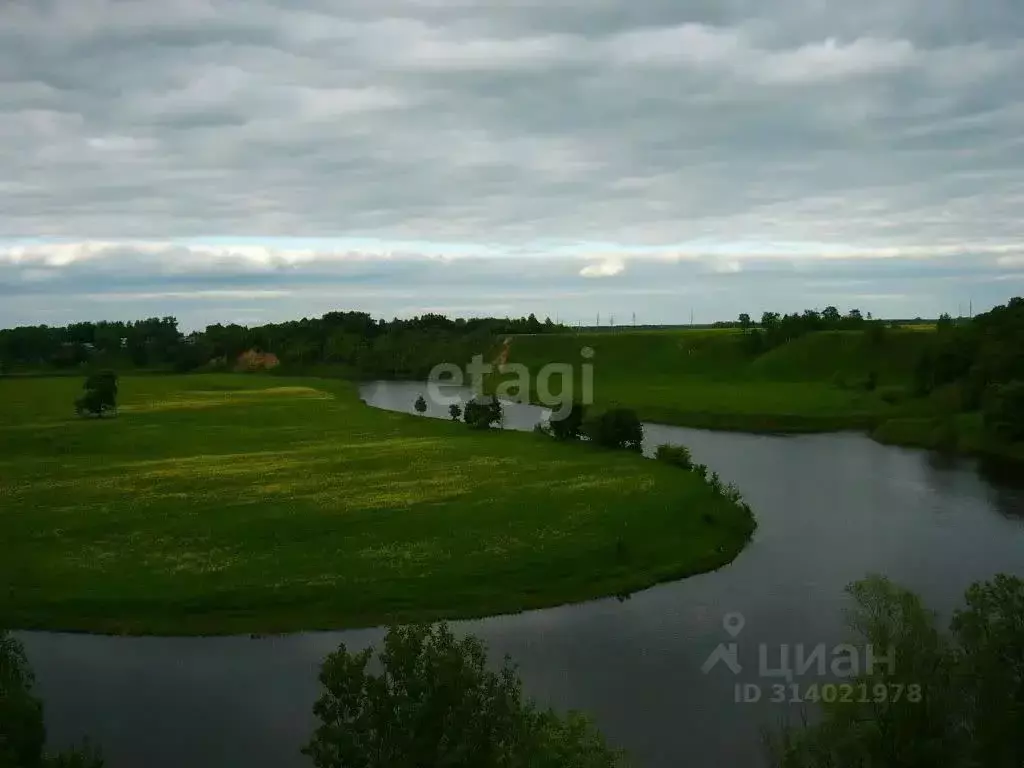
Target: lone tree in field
column 435, row 703
column 455, row 411
column 420, row 405
column 100, row 394
column 745, row 322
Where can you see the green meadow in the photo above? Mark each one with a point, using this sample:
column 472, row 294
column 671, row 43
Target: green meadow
column 710, row 379
column 222, row 503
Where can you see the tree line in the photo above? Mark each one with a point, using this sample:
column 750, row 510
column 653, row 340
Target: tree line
column 978, row 365
column 776, row 329
column 398, row 348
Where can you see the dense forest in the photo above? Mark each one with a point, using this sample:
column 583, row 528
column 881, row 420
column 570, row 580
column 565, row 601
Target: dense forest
column 347, row 341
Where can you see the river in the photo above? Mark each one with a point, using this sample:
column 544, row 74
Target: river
column 831, row 508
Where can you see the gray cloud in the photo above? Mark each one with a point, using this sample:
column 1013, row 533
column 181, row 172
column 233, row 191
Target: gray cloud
column 520, row 128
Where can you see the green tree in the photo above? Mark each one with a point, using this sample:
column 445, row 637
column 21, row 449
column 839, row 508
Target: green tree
column 569, row 426
column 455, row 411
column 676, row 455
column 194, row 353
column 962, row 702
column 435, row 703
column 989, row 668
column 745, row 322
column 22, row 735
column 616, row 428
column 420, row 405
column 754, row 342
column 923, row 379
column 100, row 394
column 875, row 332
column 482, row 414
column 22, row 731
column 1003, row 411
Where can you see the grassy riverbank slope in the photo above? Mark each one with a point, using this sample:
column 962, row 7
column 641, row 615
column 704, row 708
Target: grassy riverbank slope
column 713, row 379
column 710, row 378
column 234, row 503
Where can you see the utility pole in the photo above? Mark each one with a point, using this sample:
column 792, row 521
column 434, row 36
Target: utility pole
column 611, row 321
column 634, row 319
column 598, row 319
column 691, row 317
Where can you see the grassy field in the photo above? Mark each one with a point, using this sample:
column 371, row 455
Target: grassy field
column 233, row 503
column 708, row 378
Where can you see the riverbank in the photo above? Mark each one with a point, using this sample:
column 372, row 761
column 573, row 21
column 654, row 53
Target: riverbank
column 221, row 504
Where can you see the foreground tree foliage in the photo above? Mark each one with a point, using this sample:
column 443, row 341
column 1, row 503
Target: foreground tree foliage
column 22, row 733
column 434, row 703
column 971, row 712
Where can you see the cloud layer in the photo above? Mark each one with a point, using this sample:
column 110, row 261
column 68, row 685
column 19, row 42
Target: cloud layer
column 203, row 284
column 603, row 139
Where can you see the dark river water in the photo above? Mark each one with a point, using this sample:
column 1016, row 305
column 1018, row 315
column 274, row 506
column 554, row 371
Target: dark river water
column 830, row 508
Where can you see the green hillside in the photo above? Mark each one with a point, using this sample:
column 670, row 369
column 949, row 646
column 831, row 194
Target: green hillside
column 712, row 378
column 837, row 355
column 705, row 353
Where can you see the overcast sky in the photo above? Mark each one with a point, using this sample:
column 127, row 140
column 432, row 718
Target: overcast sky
column 272, row 159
